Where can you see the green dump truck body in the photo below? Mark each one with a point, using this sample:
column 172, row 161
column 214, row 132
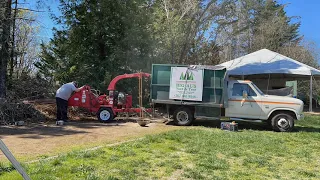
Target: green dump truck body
column 212, row 89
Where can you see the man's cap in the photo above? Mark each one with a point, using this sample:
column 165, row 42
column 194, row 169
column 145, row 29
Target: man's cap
column 75, row 83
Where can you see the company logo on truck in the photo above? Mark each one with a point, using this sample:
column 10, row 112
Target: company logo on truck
column 187, row 76
column 186, row 84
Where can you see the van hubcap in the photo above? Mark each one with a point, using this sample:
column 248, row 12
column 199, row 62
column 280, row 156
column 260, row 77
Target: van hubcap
column 283, row 123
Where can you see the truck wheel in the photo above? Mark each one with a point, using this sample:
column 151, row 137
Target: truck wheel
column 183, row 117
column 105, row 115
column 282, row 122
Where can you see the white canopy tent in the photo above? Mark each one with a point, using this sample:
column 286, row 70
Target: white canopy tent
column 265, row 61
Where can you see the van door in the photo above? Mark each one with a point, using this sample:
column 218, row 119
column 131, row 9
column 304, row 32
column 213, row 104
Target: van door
column 240, row 107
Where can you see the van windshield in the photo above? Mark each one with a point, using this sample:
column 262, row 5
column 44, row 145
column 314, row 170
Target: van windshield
column 259, row 91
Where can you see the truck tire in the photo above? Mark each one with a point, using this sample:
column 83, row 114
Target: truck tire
column 183, row 117
column 105, row 115
column 282, row 122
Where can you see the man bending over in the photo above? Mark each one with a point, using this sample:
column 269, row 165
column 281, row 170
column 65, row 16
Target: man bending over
column 62, row 96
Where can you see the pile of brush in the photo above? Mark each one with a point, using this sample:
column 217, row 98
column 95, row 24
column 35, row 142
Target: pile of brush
column 49, row 109
column 29, row 87
column 14, row 111
column 35, row 111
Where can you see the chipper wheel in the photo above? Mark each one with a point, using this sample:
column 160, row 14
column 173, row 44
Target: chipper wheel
column 105, row 115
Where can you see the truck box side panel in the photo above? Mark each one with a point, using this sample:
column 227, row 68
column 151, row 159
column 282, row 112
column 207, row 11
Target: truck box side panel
column 160, row 82
column 202, row 111
column 212, row 83
column 212, row 78
column 161, row 75
column 160, row 92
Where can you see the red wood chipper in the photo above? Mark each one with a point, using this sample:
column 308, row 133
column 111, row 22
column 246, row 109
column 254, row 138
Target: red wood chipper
column 107, row 107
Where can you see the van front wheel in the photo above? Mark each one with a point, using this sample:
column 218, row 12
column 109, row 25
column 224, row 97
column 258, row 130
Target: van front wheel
column 183, row 117
column 282, row 122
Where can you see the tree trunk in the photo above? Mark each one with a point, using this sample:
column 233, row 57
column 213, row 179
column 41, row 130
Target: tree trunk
column 5, row 52
column 12, row 54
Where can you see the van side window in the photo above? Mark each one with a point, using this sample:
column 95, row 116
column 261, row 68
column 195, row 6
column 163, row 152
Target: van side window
column 239, row 88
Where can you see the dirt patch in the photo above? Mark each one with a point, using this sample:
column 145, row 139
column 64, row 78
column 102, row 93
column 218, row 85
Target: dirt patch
column 34, row 140
column 312, row 113
column 176, row 175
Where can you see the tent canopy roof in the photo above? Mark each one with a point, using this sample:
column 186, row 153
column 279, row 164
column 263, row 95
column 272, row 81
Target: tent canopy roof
column 265, row 61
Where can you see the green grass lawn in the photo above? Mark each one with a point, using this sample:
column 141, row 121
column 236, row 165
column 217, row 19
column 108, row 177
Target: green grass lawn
column 193, row 153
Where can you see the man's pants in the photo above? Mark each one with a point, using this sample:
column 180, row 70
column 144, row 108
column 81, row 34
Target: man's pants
column 62, row 109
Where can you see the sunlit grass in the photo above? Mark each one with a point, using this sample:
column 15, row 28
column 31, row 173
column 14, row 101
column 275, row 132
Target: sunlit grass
column 194, row 153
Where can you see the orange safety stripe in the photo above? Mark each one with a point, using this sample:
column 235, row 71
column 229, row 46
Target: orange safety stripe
column 264, row 102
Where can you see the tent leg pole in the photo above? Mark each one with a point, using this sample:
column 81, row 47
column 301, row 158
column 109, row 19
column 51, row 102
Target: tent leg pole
column 310, row 96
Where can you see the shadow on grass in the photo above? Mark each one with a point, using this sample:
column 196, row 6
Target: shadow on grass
column 42, row 130
column 217, row 124
column 306, row 129
column 257, row 126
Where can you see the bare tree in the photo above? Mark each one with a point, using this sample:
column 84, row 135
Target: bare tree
column 187, row 30
column 305, row 52
column 27, row 43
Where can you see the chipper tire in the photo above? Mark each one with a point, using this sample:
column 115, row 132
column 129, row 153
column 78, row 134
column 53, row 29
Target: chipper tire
column 183, row 117
column 105, row 115
column 282, row 122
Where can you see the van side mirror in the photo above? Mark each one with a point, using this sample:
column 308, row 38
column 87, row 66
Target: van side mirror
column 244, row 94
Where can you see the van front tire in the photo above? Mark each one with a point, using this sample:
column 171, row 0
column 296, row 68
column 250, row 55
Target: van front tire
column 282, row 122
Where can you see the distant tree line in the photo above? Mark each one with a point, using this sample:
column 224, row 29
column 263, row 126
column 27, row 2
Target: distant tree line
column 19, row 50
column 100, row 39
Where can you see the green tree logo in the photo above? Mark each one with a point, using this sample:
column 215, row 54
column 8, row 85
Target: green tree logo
column 187, row 76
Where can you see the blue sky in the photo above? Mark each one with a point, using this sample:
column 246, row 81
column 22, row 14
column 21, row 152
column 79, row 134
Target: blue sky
column 43, row 18
column 307, row 10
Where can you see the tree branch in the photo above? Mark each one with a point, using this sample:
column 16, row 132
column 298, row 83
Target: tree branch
column 166, row 9
column 32, row 20
column 30, row 10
